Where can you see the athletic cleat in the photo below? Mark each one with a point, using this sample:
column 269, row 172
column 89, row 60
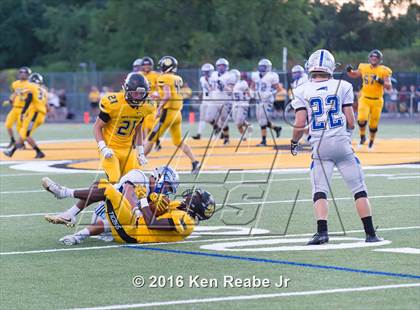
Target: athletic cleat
column 226, row 141
column 107, row 237
column 262, row 143
column 362, row 140
column 9, row 153
column 370, row 146
column 39, row 154
column 374, row 238
column 61, row 219
column 197, row 137
column 53, row 187
column 11, row 144
column 278, row 131
column 319, row 238
column 69, row 240
column 158, row 146
column 195, row 167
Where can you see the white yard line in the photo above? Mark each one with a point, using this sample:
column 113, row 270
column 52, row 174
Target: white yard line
column 195, row 241
column 399, row 250
column 238, row 203
column 253, row 297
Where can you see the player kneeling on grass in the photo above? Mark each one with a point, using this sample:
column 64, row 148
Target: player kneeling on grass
column 134, row 212
column 327, row 103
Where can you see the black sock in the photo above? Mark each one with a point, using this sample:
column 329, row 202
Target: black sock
column 264, row 139
column 322, row 226
column 368, row 225
column 12, row 140
column 36, row 148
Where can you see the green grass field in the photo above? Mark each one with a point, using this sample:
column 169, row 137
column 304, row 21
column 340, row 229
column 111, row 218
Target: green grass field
column 39, row 273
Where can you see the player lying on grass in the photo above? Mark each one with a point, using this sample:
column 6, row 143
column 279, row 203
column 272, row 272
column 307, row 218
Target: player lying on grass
column 327, row 104
column 133, row 211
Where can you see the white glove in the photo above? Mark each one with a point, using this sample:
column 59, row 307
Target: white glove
column 107, row 152
column 140, row 155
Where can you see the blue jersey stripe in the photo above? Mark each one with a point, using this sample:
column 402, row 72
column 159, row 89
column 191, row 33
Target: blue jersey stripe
column 321, row 58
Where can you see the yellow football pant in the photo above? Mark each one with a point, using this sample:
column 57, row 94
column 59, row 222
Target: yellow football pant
column 118, row 165
column 172, row 120
column 370, row 110
column 150, row 121
column 13, row 117
column 31, row 122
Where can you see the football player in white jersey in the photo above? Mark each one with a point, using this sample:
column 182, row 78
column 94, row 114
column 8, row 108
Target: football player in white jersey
column 221, row 90
column 137, row 67
column 206, row 71
column 163, row 180
column 241, row 96
column 326, row 104
column 298, row 76
column 265, row 85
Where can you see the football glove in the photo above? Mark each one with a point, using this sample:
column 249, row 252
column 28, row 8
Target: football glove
column 161, row 203
column 294, row 147
column 349, row 68
column 6, row 103
column 179, row 224
column 107, row 152
column 141, row 191
column 140, row 155
column 378, row 80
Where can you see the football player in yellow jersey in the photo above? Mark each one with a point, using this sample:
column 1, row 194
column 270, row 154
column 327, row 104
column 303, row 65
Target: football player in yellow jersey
column 127, row 211
column 169, row 110
column 118, row 127
column 151, row 76
column 375, row 77
column 32, row 115
column 17, row 99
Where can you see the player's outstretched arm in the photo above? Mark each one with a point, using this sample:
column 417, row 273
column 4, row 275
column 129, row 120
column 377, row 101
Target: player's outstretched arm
column 352, row 73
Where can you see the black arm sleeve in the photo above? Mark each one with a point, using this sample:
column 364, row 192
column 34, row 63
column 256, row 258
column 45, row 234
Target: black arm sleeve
column 28, row 101
column 104, row 116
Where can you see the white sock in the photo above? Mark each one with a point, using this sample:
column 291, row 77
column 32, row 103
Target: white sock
column 73, row 211
column 201, row 126
column 83, row 234
column 69, row 192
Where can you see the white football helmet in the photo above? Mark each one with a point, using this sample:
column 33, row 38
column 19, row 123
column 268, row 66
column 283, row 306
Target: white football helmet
column 297, row 68
column 321, row 61
column 264, row 65
column 236, row 73
column 222, row 62
column 135, row 176
column 168, row 175
column 207, row 68
column 137, row 62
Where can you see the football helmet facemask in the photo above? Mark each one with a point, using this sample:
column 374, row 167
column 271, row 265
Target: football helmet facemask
column 375, row 54
column 136, row 88
column 200, row 204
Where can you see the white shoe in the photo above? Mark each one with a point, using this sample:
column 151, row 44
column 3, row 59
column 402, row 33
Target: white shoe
column 61, row 218
column 53, row 187
column 69, row 240
column 107, row 237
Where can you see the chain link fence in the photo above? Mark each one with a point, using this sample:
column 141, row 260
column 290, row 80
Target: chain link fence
column 74, row 87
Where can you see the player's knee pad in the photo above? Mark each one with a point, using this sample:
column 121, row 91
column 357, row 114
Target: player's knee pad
column 361, row 194
column 226, row 128
column 319, row 195
column 263, row 127
column 362, row 123
column 373, row 130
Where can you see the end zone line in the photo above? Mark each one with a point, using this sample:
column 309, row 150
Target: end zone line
column 195, row 241
column 253, row 297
